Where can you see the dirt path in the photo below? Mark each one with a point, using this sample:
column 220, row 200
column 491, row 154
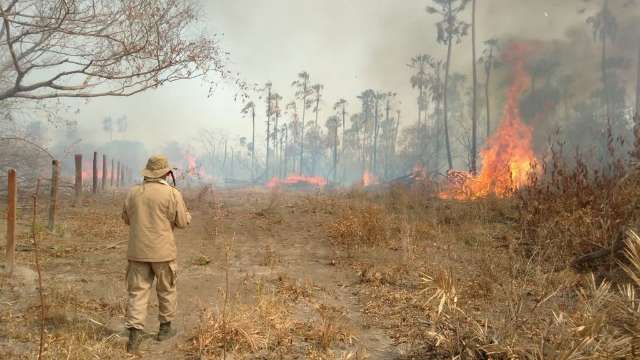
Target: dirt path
column 277, row 244
column 279, row 241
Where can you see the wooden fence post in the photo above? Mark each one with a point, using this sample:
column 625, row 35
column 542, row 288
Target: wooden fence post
column 104, row 171
column 55, row 174
column 94, row 185
column 11, row 221
column 78, row 186
column 113, row 166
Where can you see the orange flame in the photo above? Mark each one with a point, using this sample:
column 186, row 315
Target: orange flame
column 369, row 179
column 297, row 179
column 507, row 159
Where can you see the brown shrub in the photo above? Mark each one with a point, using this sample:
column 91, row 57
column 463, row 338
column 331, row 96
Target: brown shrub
column 365, row 225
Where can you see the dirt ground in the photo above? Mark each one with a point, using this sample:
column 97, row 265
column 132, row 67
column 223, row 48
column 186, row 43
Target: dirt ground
column 279, row 240
column 297, row 275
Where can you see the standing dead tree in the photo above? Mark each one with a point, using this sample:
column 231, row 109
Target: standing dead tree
column 85, row 48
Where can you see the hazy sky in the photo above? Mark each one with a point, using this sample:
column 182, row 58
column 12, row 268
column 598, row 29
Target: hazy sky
column 346, row 45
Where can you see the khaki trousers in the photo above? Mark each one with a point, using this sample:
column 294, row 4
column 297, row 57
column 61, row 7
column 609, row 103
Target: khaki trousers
column 140, row 277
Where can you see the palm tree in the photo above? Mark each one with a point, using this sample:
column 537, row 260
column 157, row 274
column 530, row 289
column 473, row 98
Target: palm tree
column 276, row 98
column 332, row 126
column 449, row 28
column 488, row 60
column 638, row 86
column 474, row 114
column 268, row 87
column 436, row 90
column 367, row 100
column 317, row 92
column 389, row 130
column 292, row 108
column 341, row 107
column 605, row 26
column 419, row 80
column 377, row 99
column 302, row 92
column 250, row 107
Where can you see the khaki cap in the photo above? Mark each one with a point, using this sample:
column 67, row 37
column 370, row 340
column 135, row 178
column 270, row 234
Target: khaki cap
column 157, row 167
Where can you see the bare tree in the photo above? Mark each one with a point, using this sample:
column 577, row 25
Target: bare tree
column 86, row 48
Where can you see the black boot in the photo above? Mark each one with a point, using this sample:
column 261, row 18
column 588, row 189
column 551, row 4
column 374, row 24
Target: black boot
column 166, row 331
column 135, row 338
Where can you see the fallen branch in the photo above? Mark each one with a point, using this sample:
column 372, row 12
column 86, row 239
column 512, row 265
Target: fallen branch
column 617, row 246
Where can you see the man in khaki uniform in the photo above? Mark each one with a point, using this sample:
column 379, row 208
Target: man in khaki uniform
column 152, row 210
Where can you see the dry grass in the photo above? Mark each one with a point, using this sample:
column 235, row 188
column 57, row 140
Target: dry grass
column 269, row 329
column 488, row 278
column 266, row 327
column 74, row 329
column 359, row 226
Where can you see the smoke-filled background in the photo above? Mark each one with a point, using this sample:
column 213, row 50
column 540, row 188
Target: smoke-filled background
column 349, row 47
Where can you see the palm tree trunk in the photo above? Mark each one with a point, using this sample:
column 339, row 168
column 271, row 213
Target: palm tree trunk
column 342, row 148
column 420, row 106
column 445, row 97
column 374, row 165
column 605, row 92
column 387, row 142
column 304, row 112
column 638, row 85
column 285, row 158
column 486, row 91
column 314, row 155
column 253, row 145
column 275, row 138
column 335, row 153
column 474, row 115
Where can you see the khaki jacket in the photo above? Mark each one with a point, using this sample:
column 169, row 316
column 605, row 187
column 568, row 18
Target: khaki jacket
column 152, row 210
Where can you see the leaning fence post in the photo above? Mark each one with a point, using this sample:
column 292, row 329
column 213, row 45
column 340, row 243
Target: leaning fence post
column 104, row 171
column 78, row 186
column 94, row 185
column 55, row 173
column 11, row 221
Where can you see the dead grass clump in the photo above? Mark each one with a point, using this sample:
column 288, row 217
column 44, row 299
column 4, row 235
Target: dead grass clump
column 74, row 329
column 329, row 328
column 266, row 326
column 293, row 290
column 366, row 225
